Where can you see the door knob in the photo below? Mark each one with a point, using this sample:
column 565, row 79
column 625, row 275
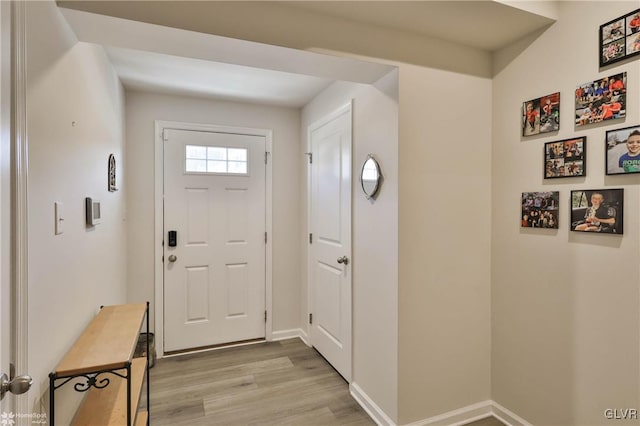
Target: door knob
column 344, row 260
column 173, row 258
column 17, row 386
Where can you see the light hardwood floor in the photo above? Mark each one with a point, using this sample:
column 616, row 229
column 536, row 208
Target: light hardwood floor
column 273, row 383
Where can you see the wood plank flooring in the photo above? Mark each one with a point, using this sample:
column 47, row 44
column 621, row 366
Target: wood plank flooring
column 272, row 383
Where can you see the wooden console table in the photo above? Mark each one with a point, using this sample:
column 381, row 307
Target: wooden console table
column 102, row 358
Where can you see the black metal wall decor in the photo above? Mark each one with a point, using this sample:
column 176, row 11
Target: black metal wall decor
column 111, row 174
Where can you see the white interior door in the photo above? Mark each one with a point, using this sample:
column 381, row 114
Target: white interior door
column 6, row 406
column 214, row 276
column 330, row 250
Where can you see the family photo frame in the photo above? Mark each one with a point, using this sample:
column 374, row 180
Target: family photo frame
column 541, row 115
column 601, row 100
column 620, row 38
column 540, row 209
column 597, row 210
column 623, row 151
column 565, row 158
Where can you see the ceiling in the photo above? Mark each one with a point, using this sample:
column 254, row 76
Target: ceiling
column 157, row 72
column 486, row 25
column 148, row 57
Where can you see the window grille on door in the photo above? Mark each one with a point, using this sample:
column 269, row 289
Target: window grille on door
column 216, row 160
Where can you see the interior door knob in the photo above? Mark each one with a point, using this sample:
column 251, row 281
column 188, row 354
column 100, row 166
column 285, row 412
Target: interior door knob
column 172, row 258
column 344, row 260
column 17, row 386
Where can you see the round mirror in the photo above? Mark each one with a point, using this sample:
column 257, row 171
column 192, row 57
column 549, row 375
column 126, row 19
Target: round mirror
column 370, row 177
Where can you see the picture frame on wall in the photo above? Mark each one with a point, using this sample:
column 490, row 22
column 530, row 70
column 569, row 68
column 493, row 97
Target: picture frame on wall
column 623, row 151
column 540, row 209
column 541, row 115
column 565, row 158
column 620, row 38
column 601, row 100
column 597, row 210
column 111, row 173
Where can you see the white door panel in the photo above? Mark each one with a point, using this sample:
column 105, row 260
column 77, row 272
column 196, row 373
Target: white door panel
column 330, row 281
column 197, row 294
column 215, row 288
column 329, row 187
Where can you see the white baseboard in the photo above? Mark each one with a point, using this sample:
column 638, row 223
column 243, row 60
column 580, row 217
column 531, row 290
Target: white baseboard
column 468, row 414
column 290, row 334
column 304, row 337
column 458, row 417
column 372, row 409
column 507, row 417
column 285, row 334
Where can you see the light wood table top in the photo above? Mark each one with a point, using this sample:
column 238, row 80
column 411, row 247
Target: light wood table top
column 107, row 343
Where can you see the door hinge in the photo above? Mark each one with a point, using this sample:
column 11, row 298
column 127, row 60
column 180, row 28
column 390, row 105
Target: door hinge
column 165, row 135
column 265, row 316
column 266, row 156
column 310, row 154
column 163, row 259
column 310, row 318
column 265, row 238
column 310, row 238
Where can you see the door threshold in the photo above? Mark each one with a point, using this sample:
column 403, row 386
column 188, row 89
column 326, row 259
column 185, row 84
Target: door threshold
column 209, row 348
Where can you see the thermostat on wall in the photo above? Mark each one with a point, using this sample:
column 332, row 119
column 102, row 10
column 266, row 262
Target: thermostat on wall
column 93, row 211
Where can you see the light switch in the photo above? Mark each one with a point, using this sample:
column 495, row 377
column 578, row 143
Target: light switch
column 58, row 207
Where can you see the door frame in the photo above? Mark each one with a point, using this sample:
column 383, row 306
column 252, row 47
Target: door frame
column 348, row 109
column 5, row 195
column 13, row 193
column 160, row 126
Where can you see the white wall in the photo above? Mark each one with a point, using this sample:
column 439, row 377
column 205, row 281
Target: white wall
column 565, row 305
column 374, row 233
column 75, row 120
column 444, row 242
column 142, row 109
column 421, row 283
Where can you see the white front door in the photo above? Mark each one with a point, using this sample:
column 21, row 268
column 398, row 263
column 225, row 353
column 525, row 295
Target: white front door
column 330, row 250
column 214, row 275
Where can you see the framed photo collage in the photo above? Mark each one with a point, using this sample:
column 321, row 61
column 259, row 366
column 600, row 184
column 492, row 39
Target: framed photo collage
column 602, row 100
